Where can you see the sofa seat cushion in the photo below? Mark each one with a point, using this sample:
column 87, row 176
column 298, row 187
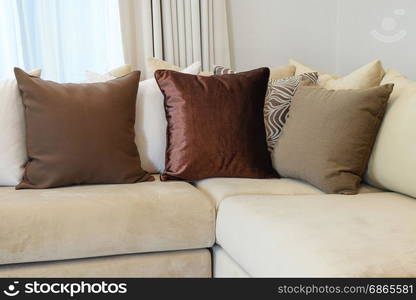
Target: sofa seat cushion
column 365, row 235
column 100, row 220
column 221, row 188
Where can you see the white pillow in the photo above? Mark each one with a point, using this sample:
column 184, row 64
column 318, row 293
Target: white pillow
column 13, row 154
column 151, row 122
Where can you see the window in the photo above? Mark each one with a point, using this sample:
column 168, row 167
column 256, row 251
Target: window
column 63, row 38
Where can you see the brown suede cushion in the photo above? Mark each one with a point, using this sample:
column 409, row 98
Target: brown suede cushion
column 80, row 133
column 215, row 125
column 329, row 135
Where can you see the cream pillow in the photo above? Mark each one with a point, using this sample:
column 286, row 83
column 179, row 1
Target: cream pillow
column 300, row 68
column 369, row 75
column 392, row 164
column 154, row 64
column 92, row 77
column 151, row 122
column 275, row 74
column 282, row 72
column 13, row 154
column 120, row 71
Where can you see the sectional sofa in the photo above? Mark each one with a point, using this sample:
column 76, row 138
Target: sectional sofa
column 225, row 227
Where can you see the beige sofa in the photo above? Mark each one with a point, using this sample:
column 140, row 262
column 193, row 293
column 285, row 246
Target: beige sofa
column 270, row 227
column 260, row 227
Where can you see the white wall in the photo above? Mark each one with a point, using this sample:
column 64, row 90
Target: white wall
column 332, row 35
column 377, row 29
column 269, row 32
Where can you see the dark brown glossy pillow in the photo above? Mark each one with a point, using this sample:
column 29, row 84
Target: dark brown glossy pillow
column 80, row 133
column 215, row 125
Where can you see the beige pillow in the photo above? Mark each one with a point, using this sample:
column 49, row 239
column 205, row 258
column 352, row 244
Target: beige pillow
column 206, row 73
column 328, row 137
column 154, row 64
column 120, row 71
column 393, row 162
column 282, row 72
column 300, row 68
column 367, row 76
column 275, row 74
column 92, row 77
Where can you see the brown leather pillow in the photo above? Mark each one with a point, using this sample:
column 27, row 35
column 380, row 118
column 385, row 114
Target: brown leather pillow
column 328, row 138
column 215, row 125
column 80, row 133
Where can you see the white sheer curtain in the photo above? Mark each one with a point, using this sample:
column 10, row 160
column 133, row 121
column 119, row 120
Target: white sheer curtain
column 62, row 37
column 179, row 31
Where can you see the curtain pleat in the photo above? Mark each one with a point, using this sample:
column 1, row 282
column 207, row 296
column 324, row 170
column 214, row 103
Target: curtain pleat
column 188, row 32
column 211, row 35
column 219, row 28
column 157, row 26
column 196, row 30
column 205, row 52
column 175, row 32
column 180, row 11
column 167, row 29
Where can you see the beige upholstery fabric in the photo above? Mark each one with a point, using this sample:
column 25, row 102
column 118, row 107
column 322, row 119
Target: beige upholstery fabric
column 99, row 220
column 393, row 162
column 224, row 266
column 188, row 263
column 362, row 235
column 221, row 188
column 369, row 75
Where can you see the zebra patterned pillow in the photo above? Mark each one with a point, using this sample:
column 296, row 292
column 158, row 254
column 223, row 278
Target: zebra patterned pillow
column 278, row 99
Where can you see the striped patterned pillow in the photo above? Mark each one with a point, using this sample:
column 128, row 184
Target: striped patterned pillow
column 278, row 99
